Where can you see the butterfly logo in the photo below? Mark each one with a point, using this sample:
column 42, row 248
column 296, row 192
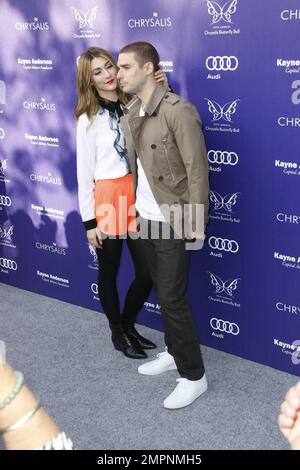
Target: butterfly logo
column 225, row 202
column 6, row 233
column 228, row 287
column 221, row 13
column 85, row 19
column 3, row 166
column 93, row 253
column 222, row 112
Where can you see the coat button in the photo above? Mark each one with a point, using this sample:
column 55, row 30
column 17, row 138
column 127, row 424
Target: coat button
column 154, row 113
column 160, row 178
column 153, row 146
column 166, row 97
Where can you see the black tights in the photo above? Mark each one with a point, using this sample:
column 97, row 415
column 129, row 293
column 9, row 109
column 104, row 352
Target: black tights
column 109, row 261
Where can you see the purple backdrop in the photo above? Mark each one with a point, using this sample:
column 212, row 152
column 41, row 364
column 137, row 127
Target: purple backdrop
column 238, row 61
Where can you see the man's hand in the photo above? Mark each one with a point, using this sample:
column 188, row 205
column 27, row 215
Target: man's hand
column 197, row 236
column 195, row 241
column 94, row 237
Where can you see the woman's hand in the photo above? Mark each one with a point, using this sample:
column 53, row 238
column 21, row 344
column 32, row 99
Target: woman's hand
column 161, row 77
column 94, row 237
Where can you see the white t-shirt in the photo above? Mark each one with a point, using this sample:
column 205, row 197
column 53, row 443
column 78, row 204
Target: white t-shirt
column 145, row 201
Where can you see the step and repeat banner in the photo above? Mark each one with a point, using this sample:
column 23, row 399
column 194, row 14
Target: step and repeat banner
column 239, row 63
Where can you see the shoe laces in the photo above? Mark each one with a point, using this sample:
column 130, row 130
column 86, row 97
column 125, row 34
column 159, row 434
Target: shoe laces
column 182, row 383
column 127, row 340
column 163, row 353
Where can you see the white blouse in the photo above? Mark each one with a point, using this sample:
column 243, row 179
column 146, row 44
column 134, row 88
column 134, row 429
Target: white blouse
column 101, row 154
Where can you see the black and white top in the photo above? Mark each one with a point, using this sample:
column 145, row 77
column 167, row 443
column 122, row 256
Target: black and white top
column 101, row 154
column 60, row 442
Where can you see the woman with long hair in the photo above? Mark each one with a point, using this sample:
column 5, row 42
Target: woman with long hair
column 106, row 194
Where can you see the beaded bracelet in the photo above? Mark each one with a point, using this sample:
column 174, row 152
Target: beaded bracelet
column 14, row 392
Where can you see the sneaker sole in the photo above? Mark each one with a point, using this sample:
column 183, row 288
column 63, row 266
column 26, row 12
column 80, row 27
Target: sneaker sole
column 183, row 406
column 157, row 373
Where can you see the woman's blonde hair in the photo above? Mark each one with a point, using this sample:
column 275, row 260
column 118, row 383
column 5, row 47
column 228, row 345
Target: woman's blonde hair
column 87, row 95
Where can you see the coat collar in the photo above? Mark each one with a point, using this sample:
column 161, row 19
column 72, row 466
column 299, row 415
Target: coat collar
column 133, row 107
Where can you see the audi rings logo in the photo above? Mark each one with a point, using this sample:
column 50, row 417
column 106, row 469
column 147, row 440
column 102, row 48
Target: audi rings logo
column 223, row 244
column 94, row 288
column 8, row 264
column 224, row 326
column 5, row 201
column 225, row 63
column 222, row 157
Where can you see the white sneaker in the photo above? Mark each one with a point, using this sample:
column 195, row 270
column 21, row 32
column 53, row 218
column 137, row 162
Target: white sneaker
column 185, row 393
column 163, row 362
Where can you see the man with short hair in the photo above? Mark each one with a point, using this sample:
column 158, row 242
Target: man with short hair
column 167, row 154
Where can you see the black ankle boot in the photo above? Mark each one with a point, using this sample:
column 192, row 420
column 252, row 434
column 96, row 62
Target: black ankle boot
column 134, row 334
column 128, row 346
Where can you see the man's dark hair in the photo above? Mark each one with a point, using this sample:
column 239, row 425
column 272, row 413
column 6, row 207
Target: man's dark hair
column 144, row 52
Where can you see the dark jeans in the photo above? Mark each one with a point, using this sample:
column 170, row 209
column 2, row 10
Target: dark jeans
column 168, row 262
column 109, row 261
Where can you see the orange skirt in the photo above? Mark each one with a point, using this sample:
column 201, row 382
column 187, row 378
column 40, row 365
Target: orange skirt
column 114, row 205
